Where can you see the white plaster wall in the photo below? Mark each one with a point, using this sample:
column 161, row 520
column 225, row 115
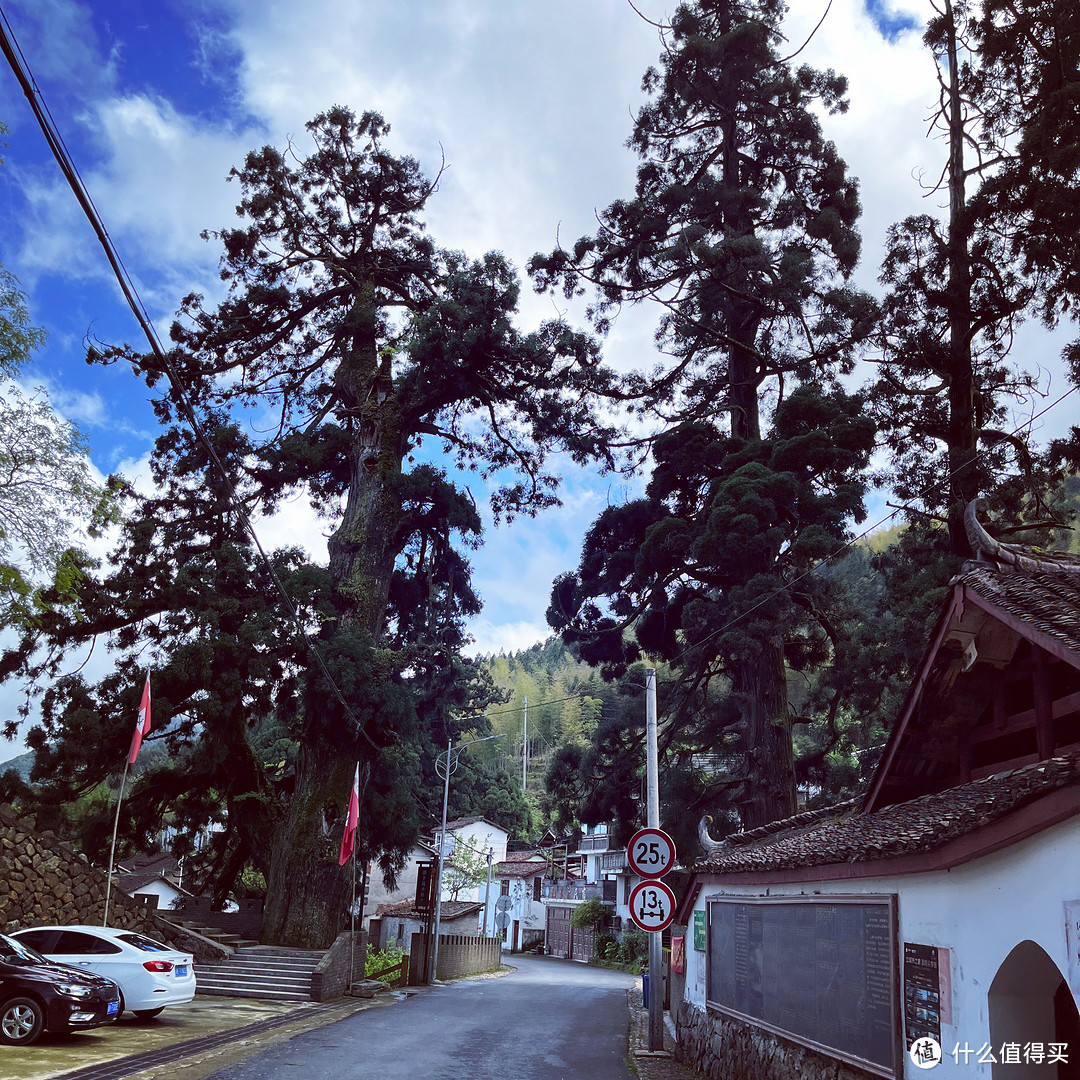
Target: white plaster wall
column 162, row 889
column 480, row 836
column 531, row 913
column 979, row 911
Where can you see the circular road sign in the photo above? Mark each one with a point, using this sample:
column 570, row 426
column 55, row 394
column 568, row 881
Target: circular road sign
column 652, row 906
column 502, row 919
column 504, row 903
column 650, row 853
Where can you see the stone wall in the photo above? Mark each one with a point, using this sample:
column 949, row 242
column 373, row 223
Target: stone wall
column 459, row 954
column 332, row 977
column 45, row 882
column 246, row 921
column 725, row 1049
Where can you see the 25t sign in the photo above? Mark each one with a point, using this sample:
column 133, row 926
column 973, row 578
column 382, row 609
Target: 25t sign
column 651, row 853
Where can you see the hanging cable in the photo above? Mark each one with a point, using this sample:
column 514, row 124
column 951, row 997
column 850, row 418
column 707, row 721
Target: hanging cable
column 17, row 61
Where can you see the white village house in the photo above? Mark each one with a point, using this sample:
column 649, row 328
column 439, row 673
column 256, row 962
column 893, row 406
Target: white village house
column 943, row 906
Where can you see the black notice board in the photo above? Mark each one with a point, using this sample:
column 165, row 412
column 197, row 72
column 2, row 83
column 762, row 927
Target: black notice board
column 821, row 971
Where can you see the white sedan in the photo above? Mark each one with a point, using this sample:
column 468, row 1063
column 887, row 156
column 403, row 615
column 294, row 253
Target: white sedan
column 150, row 975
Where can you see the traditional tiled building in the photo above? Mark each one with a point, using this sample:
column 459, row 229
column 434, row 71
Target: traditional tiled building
column 945, row 905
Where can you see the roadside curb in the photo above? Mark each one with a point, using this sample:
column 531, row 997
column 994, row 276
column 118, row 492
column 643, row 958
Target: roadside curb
column 200, row 1056
column 652, row 1064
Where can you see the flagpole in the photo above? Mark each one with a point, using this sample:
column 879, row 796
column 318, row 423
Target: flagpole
column 112, row 849
column 352, row 925
column 142, row 726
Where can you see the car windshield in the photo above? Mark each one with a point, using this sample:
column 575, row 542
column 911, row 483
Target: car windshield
column 144, row 943
column 15, row 952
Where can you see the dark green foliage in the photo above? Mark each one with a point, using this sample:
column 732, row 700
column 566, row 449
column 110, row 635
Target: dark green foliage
column 742, row 228
column 958, row 288
column 361, row 346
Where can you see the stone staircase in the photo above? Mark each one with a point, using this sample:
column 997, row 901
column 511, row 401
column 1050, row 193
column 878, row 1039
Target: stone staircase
column 260, row 971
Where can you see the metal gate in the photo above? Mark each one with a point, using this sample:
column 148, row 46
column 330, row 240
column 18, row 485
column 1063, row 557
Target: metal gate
column 558, row 931
column 581, row 944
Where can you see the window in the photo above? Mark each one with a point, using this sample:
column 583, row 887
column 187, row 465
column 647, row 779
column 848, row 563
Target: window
column 72, row 943
column 38, row 939
column 504, row 888
column 536, row 888
column 144, row 943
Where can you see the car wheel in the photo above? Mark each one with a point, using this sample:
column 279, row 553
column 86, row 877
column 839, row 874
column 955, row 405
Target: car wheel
column 148, row 1014
column 21, row 1021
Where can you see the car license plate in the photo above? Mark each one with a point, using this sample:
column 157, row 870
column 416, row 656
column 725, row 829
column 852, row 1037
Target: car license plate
column 181, row 971
column 113, row 1009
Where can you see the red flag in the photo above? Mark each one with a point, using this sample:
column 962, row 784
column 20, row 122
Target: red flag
column 142, row 724
column 352, row 819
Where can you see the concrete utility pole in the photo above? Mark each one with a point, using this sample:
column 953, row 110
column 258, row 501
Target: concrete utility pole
column 652, row 810
column 525, row 744
column 487, row 892
column 445, row 764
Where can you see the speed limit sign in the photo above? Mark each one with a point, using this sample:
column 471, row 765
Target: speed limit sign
column 651, row 853
column 652, row 905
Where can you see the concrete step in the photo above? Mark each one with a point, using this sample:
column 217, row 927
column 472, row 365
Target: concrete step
column 260, row 971
column 261, row 993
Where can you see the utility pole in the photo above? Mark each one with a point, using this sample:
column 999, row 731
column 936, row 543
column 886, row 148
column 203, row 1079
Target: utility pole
column 525, row 744
column 445, row 764
column 652, row 810
column 487, row 891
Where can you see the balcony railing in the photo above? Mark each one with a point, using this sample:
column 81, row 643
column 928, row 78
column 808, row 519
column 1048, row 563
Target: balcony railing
column 605, row 890
column 561, row 891
column 594, row 843
column 613, row 860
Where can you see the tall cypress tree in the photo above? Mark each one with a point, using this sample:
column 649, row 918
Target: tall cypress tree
column 742, row 228
column 363, row 353
column 956, row 293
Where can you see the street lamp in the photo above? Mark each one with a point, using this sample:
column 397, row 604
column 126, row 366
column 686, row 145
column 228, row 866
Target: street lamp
column 446, row 764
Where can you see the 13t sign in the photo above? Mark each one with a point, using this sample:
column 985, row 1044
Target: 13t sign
column 651, row 853
column 652, row 906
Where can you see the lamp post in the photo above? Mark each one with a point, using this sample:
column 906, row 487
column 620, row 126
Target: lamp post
column 446, row 764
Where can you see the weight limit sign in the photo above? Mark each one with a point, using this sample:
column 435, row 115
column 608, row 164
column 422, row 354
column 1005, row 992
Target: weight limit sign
column 652, row 906
column 651, row 853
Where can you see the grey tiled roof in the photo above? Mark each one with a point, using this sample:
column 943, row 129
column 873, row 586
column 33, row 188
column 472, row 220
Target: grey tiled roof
column 840, row 835
column 521, row 868
column 451, row 909
column 1047, row 601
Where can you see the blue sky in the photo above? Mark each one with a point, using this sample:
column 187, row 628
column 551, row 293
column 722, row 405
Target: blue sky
column 529, row 103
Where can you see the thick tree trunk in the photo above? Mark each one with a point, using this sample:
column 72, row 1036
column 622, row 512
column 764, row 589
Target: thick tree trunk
column 307, row 891
column 769, row 793
column 963, row 449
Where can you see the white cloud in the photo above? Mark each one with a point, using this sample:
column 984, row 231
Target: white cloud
column 531, row 104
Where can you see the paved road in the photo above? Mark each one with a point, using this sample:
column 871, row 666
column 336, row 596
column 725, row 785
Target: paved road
column 549, row 1020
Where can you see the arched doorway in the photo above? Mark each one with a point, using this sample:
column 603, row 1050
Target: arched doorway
column 1030, row 1003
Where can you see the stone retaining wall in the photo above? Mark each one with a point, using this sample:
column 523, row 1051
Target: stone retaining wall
column 331, row 978
column 45, row 882
column 725, row 1049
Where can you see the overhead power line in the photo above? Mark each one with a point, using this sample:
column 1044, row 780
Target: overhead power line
column 21, row 68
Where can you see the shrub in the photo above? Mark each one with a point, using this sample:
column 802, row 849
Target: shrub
column 634, row 948
column 378, row 961
column 605, row 946
column 589, row 914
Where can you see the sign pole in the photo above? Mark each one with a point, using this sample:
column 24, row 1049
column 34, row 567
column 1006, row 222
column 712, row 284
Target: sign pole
column 652, row 775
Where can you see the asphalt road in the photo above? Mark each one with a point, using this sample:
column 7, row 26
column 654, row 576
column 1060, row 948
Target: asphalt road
column 549, row 1020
